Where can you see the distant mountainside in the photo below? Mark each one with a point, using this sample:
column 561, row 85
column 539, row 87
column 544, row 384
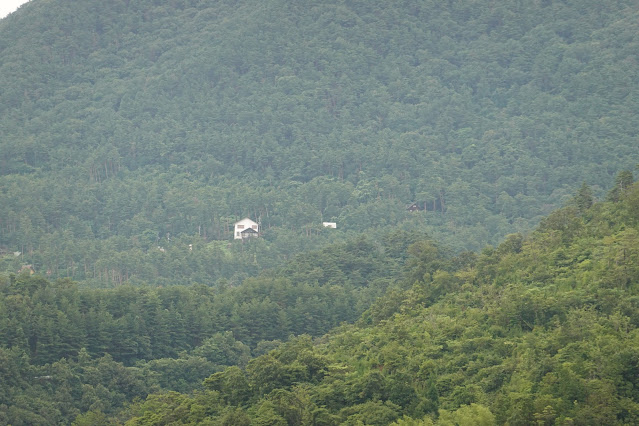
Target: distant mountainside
column 129, row 130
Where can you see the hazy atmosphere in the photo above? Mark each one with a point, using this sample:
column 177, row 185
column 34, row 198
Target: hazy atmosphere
column 248, row 212
column 8, row 6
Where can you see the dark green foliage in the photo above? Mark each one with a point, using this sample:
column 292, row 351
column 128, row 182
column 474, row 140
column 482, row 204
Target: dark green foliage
column 117, row 344
column 623, row 182
column 135, row 133
column 584, row 198
column 312, row 294
column 133, row 130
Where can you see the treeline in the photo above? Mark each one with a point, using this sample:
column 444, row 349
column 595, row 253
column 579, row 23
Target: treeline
column 539, row 330
column 129, row 124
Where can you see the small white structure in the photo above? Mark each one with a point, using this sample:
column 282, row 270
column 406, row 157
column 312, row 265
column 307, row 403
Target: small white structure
column 330, row 225
column 246, row 228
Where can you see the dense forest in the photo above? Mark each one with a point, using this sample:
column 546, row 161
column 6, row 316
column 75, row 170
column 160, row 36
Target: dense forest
column 541, row 329
column 476, row 157
column 132, row 130
column 64, row 349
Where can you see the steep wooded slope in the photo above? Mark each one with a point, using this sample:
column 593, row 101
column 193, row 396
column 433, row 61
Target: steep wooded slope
column 541, row 330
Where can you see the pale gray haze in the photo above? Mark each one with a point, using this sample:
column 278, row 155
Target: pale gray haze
column 8, row 6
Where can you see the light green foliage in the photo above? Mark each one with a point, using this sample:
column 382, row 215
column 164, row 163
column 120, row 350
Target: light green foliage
column 266, row 415
column 92, row 418
column 540, row 330
column 407, row 421
column 466, row 415
column 370, row 413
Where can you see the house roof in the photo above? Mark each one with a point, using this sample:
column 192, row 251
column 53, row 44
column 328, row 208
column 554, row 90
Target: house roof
column 246, row 222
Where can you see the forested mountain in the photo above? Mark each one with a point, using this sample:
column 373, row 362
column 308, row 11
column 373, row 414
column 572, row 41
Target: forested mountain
column 133, row 134
column 130, row 130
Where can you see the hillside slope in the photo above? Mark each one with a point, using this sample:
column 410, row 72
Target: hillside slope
column 541, row 330
column 132, row 125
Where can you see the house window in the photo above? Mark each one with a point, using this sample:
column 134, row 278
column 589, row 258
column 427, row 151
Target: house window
column 240, row 226
column 237, row 234
column 254, row 226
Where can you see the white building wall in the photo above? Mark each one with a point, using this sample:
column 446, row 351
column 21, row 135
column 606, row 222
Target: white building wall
column 243, row 225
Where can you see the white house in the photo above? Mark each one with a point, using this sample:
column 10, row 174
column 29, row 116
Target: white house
column 329, row 225
column 245, row 228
